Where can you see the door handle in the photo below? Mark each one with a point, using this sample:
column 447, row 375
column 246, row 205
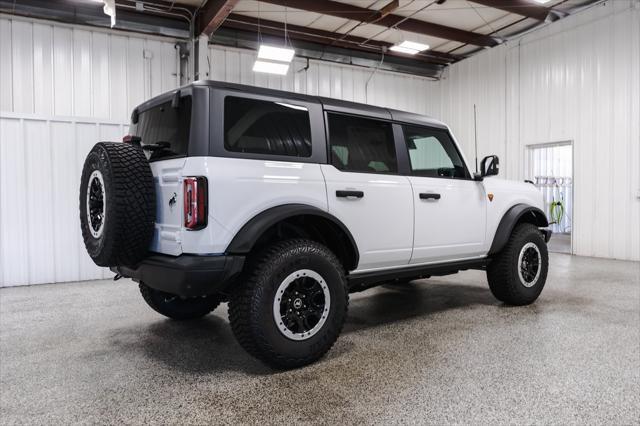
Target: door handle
column 356, row 194
column 428, row 196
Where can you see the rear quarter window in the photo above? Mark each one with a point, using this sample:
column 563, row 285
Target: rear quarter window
column 164, row 130
column 265, row 127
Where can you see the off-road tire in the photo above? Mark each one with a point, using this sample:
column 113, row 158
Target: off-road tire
column 251, row 305
column 177, row 308
column 502, row 272
column 130, row 204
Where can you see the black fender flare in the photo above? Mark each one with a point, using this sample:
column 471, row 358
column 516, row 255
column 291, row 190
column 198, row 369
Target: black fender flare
column 248, row 235
column 509, row 221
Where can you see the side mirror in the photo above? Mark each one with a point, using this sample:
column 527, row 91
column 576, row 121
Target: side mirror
column 489, row 166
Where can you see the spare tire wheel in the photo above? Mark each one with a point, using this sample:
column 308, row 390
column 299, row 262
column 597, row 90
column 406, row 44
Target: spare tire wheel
column 117, row 204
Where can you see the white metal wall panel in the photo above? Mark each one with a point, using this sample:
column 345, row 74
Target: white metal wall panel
column 62, row 89
column 400, row 91
column 577, row 79
column 60, row 70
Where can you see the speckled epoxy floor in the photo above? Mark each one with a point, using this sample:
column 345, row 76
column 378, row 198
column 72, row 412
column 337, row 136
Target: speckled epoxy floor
column 436, row 351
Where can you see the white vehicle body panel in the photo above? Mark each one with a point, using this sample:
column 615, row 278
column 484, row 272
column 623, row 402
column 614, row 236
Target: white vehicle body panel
column 240, row 189
column 381, row 222
column 451, row 227
column 391, row 226
column 506, row 194
column 167, row 176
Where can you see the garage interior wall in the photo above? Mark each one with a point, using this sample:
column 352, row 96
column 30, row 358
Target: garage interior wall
column 62, row 89
column 575, row 80
column 349, row 83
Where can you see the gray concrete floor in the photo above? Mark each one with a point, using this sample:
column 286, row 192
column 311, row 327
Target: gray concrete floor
column 440, row 351
column 560, row 243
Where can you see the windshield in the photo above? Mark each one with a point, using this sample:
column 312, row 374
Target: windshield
column 164, row 130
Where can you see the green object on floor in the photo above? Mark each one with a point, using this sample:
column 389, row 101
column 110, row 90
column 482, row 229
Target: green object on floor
column 556, row 211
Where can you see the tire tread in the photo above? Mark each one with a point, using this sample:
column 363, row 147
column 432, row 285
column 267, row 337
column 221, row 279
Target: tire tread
column 244, row 303
column 501, row 270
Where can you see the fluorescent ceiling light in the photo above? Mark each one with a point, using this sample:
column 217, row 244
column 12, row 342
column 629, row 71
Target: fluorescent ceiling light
column 275, row 53
column 415, row 46
column 403, row 50
column 409, row 47
column 271, row 67
column 542, row 1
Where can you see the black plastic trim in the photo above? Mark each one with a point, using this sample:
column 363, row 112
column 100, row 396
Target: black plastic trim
column 364, row 280
column 509, row 221
column 344, row 193
column 429, row 196
column 185, row 275
column 246, row 238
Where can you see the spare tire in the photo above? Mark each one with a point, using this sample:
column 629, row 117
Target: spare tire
column 117, row 204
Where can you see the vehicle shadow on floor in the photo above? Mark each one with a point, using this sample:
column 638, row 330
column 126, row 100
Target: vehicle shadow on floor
column 207, row 345
column 393, row 303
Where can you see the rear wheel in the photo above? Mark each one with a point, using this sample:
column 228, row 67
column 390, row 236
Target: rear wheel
column 518, row 273
column 291, row 307
column 178, row 308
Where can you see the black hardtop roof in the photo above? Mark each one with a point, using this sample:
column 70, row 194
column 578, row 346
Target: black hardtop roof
column 328, row 104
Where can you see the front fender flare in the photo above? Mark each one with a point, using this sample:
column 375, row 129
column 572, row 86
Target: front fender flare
column 509, row 221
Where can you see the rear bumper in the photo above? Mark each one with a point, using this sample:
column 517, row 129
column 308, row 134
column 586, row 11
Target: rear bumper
column 185, row 275
column 546, row 233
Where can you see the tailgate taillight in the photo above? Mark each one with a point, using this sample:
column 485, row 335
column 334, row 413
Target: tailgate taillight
column 195, row 202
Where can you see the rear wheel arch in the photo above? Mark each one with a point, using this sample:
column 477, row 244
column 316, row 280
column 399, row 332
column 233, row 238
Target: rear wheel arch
column 297, row 221
column 519, row 213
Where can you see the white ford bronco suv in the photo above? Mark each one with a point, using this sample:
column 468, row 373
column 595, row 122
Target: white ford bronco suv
column 282, row 204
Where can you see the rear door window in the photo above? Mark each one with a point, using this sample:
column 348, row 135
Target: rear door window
column 361, row 144
column 164, row 130
column 264, row 127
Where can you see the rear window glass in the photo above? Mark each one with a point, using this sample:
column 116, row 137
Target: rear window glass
column 165, row 130
column 362, row 144
column 264, row 127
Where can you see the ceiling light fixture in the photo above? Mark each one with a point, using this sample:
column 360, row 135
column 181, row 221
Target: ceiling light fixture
column 273, row 60
column 271, row 67
column 273, row 53
column 409, row 47
column 542, row 1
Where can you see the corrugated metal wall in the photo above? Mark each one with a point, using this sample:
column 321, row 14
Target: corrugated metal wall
column 577, row 79
column 400, row 91
column 62, row 89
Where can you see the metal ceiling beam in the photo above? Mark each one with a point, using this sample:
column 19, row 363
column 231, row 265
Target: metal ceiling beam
column 213, row 14
column 348, row 11
column 387, row 9
column 248, row 23
column 521, row 7
column 90, row 13
column 246, row 39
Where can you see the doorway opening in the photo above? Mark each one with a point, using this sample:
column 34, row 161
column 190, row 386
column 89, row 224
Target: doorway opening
column 550, row 168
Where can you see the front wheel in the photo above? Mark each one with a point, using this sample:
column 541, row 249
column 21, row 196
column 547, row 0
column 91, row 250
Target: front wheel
column 518, row 273
column 290, row 308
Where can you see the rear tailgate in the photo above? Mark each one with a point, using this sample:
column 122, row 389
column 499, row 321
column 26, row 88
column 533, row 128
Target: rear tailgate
column 167, row 176
column 164, row 130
